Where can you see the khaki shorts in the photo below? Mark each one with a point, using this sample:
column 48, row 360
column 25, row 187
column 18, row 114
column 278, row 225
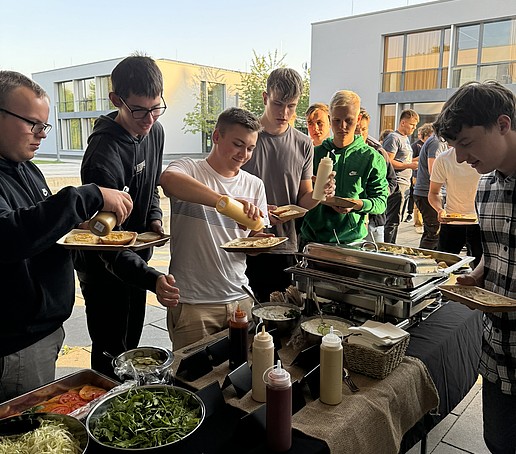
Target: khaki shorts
column 189, row 323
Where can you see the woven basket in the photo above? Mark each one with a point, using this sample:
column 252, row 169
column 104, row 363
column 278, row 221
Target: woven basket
column 374, row 363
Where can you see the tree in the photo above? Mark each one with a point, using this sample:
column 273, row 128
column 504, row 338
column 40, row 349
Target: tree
column 254, row 82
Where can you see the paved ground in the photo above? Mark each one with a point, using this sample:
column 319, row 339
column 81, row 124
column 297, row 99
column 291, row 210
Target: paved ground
column 459, row 432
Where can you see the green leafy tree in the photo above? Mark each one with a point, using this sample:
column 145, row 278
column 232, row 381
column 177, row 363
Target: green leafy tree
column 304, row 102
column 254, row 82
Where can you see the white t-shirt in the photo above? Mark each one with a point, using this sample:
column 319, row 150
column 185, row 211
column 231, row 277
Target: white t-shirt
column 204, row 272
column 461, row 182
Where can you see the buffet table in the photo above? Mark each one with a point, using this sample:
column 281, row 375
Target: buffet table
column 387, row 416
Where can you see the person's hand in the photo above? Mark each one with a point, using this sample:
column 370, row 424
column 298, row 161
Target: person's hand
column 118, row 202
column 166, row 293
column 252, row 211
column 274, row 220
column 468, row 279
column 329, row 187
column 412, row 165
column 156, row 226
column 440, row 215
column 343, row 210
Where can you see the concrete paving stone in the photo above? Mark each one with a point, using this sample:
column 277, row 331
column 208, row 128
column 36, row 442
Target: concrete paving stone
column 154, row 336
column 435, row 435
column 161, row 324
column 76, row 332
column 154, row 314
column 477, row 387
column 467, row 433
column 443, row 448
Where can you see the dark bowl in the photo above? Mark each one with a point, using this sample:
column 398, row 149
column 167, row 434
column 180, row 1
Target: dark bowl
column 272, row 315
column 99, row 410
column 27, row 422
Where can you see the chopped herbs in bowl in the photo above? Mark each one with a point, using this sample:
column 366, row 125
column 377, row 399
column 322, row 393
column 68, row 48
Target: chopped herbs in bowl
column 145, row 417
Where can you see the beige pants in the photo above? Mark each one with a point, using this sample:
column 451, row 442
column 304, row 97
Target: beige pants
column 189, row 323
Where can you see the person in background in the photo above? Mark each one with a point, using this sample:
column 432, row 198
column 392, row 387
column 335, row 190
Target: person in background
column 360, row 175
column 318, row 122
column 376, row 222
column 432, row 148
column 384, row 134
column 211, row 278
column 283, row 160
column 479, row 121
column 125, row 149
column 397, row 145
column 461, row 182
column 36, row 274
column 423, row 133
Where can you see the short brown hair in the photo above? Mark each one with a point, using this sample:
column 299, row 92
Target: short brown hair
column 285, row 83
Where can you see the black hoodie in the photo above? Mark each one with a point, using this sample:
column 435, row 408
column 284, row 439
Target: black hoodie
column 36, row 275
column 115, row 159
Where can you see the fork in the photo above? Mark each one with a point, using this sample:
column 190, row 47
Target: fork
column 346, row 378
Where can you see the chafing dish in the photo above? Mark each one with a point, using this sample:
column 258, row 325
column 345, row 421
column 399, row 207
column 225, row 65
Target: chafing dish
column 382, row 281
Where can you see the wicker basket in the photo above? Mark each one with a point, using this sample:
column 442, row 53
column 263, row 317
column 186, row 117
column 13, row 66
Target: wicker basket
column 374, row 363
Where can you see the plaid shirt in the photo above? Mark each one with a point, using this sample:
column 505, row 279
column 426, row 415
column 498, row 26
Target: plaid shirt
column 496, row 205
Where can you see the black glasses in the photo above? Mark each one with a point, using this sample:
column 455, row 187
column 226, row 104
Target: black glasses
column 36, row 127
column 139, row 114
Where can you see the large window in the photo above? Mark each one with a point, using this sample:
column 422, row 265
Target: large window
column 104, row 86
column 485, row 51
column 86, row 95
column 66, row 97
column 416, row 61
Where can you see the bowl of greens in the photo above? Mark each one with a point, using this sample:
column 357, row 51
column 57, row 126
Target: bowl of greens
column 145, row 418
column 50, row 433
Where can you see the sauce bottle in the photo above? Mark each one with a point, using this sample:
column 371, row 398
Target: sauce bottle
column 278, row 411
column 104, row 221
column 263, row 359
column 331, row 369
column 238, row 338
column 235, row 210
column 323, row 172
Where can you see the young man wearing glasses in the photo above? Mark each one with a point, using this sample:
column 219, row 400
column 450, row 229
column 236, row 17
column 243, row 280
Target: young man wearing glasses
column 36, row 275
column 124, row 149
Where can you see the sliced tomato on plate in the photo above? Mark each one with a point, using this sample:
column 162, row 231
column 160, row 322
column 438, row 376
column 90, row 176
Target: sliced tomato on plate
column 89, row 392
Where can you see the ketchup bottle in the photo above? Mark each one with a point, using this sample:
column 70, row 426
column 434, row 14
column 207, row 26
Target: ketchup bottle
column 238, row 338
column 278, row 395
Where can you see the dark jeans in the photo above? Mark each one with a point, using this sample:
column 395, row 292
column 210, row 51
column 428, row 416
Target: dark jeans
column 452, row 238
column 499, row 413
column 393, row 213
column 115, row 313
column 431, row 224
column 266, row 275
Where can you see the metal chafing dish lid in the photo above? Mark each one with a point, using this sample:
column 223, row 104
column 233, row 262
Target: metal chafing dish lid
column 389, row 257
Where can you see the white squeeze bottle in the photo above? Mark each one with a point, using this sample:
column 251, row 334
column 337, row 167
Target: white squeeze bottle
column 235, row 210
column 323, row 172
column 331, row 369
column 263, row 359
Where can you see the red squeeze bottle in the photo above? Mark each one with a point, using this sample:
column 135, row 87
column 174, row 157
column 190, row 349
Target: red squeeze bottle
column 278, row 397
column 238, row 338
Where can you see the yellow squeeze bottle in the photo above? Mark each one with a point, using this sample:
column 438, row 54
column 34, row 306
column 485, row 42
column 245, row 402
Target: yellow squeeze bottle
column 235, row 210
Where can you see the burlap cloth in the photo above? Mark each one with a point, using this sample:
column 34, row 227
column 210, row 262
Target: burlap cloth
column 372, row 420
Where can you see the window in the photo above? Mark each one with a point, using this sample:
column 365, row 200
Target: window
column 104, row 87
column 71, row 134
column 65, row 100
column 416, row 61
column 86, row 95
column 485, row 51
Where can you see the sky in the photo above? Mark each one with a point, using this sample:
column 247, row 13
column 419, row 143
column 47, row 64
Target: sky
column 38, row 36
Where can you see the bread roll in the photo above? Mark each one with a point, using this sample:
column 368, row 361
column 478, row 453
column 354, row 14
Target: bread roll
column 82, row 238
column 117, row 238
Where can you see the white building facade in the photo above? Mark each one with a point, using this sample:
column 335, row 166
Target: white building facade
column 415, row 56
column 79, row 95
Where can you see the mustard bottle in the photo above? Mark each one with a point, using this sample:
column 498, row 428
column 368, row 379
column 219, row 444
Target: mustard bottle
column 331, row 369
column 235, row 210
column 104, row 221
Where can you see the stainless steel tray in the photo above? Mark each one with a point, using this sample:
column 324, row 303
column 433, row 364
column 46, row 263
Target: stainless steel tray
column 28, row 400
